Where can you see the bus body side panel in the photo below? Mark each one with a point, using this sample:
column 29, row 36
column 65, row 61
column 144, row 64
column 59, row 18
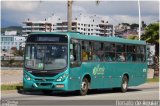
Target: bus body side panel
column 138, row 73
column 78, row 73
column 112, row 75
column 74, row 78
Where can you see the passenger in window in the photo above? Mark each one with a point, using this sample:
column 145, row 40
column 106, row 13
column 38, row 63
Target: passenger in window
column 95, row 57
column 84, row 54
column 122, row 57
column 134, row 55
column 129, row 57
column 113, row 48
column 108, row 58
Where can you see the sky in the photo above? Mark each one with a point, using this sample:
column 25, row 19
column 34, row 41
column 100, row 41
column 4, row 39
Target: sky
column 13, row 13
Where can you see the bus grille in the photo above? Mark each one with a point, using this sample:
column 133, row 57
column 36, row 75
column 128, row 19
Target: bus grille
column 42, row 80
column 44, row 84
column 47, row 74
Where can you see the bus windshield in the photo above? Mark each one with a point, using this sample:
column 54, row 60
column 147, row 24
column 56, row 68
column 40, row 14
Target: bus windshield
column 46, row 56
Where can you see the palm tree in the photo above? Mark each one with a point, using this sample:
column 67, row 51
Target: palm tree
column 69, row 13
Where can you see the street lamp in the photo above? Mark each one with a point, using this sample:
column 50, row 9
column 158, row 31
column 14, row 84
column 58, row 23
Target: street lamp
column 139, row 12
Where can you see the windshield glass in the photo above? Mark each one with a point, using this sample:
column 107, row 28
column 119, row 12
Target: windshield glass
column 46, row 56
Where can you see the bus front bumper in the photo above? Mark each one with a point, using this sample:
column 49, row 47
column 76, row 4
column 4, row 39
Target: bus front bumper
column 32, row 85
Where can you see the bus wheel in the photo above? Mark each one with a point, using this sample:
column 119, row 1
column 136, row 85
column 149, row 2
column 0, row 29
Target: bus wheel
column 84, row 86
column 47, row 92
column 124, row 84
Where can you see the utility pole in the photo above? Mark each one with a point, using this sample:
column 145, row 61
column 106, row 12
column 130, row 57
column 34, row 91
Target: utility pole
column 69, row 15
column 139, row 12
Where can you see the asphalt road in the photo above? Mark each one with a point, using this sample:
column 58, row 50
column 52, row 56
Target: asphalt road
column 147, row 91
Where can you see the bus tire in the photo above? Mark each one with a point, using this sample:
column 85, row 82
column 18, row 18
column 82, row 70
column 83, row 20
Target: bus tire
column 124, row 84
column 84, row 87
column 47, row 92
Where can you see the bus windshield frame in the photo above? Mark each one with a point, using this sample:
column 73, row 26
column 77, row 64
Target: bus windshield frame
column 45, row 56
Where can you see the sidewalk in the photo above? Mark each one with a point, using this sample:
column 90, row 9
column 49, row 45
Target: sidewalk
column 11, row 76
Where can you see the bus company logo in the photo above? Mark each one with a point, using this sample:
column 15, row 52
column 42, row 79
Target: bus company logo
column 98, row 70
column 44, row 79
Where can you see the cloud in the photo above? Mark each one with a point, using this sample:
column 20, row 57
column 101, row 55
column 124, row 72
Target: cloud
column 150, row 7
column 80, row 9
column 113, row 11
column 20, row 5
column 120, row 7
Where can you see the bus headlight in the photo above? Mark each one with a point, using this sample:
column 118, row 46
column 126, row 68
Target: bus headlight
column 62, row 78
column 27, row 77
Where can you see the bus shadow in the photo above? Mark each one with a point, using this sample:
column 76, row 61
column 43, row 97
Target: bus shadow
column 109, row 91
column 72, row 93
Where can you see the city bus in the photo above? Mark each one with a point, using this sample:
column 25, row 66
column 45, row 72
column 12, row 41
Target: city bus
column 71, row 61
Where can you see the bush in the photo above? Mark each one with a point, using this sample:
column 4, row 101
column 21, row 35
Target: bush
column 11, row 63
column 11, row 87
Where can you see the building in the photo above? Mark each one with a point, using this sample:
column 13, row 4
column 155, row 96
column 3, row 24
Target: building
column 121, row 29
column 48, row 25
column 88, row 25
column 10, row 33
column 124, row 30
column 11, row 40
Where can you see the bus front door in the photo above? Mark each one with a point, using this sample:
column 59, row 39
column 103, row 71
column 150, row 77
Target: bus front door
column 75, row 66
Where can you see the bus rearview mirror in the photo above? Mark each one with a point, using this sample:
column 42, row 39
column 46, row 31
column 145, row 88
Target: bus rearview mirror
column 71, row 58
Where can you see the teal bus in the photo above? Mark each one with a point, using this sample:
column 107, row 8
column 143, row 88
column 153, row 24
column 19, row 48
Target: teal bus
column 71, row 61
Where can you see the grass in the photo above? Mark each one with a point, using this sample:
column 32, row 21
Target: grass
column 153, row 80
column 11, row 86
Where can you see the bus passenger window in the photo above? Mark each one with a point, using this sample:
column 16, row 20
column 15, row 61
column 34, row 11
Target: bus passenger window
column 95, row 56
column 86, row 50
column 134, row 54
column 75, row 55
column 109, row 49
column 121, row 57
column 84, row 54
column 110, row 56
column 120, row 52
column 98, row 51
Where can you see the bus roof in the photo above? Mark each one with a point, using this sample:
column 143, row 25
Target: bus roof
column 78, row 35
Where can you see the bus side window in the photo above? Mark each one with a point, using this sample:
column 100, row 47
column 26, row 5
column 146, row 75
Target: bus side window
column 120, row 52
column 75, row 54
column 109, row 49
column 98, row 51
column 130, row 53
column 84, row 54
column 86, row 51
column 140, row 54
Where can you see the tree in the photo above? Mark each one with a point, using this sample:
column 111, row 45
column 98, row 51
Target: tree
column 127, row 24
column 143, row 24
column 134, row 25
column 151, row 35
column 13, row 48
column 18, row 53
column 11, row 61
column 133, row 37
